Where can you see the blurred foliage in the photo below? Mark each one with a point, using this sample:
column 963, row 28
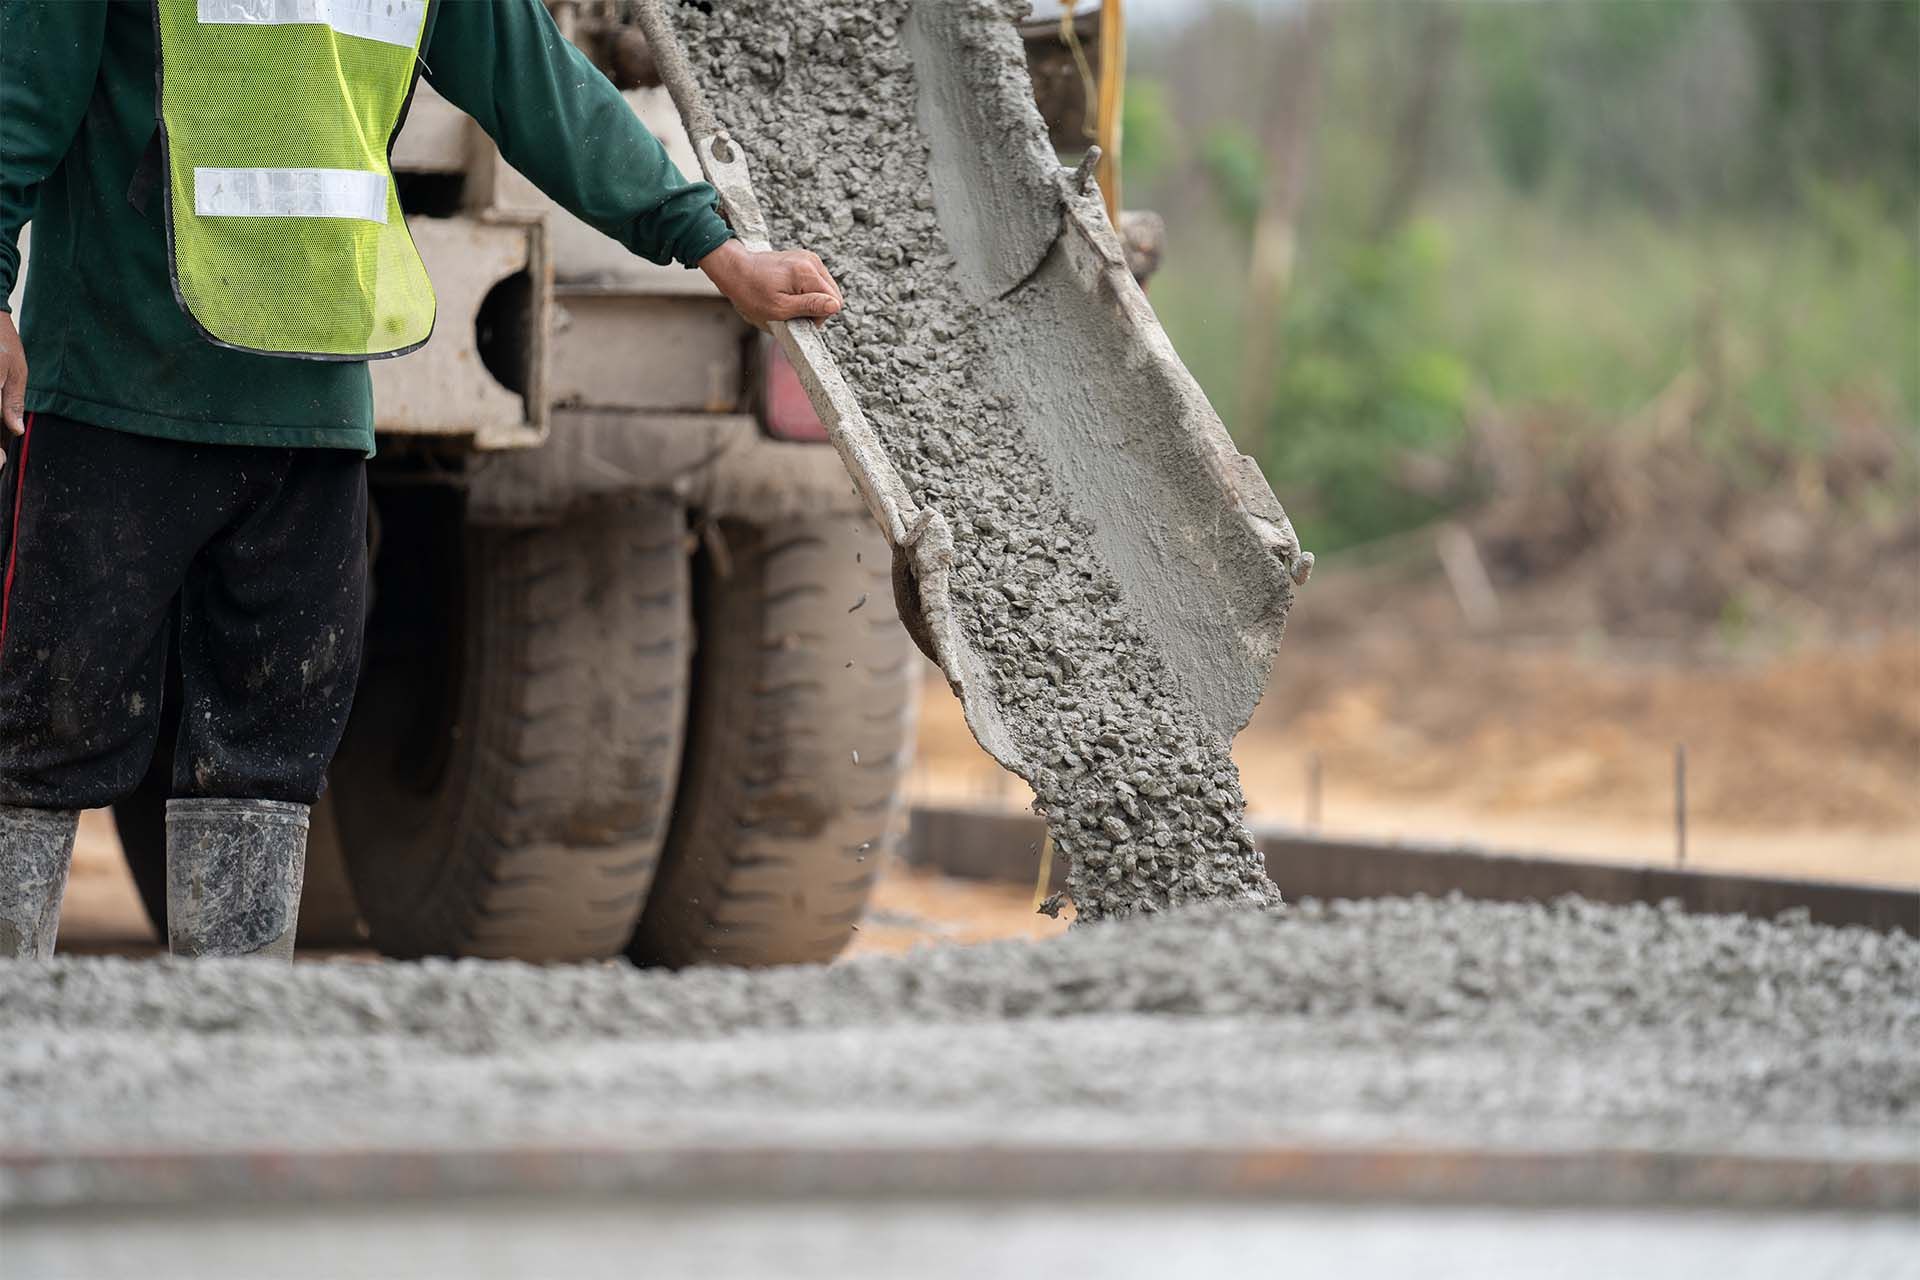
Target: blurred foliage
column 1838, row 88
column 1235, row 169
column 1575, row 90
column 1149, row 140
column 1366, row 377
column 1698, row 101
column 1613, row 199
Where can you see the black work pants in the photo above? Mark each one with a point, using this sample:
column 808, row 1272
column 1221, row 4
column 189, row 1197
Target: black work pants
column 253, row 560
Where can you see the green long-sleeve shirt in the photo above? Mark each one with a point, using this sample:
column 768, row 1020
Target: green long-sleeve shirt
column 106, row 342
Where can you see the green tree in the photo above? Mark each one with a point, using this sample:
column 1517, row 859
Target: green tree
column 1367, row 383
column 1146, row 130
column 1236, row 171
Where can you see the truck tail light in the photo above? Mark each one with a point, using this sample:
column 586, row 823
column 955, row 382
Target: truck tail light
column 785, row 411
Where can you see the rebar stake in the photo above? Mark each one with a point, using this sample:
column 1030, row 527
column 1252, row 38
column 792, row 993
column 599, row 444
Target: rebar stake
column 1679, row 804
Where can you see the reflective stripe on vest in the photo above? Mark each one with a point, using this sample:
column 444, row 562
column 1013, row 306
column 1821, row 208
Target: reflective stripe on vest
column 285, row 234
column 290, row 193
column 394, row 22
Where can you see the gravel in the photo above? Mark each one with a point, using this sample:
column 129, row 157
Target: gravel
column 1415, row 1018
column 1141, row 798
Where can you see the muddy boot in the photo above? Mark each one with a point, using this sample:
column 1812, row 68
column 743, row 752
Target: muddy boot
column 36, row 849
column 234, row 869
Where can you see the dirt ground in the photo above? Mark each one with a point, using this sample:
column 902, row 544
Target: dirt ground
column 1801, row 764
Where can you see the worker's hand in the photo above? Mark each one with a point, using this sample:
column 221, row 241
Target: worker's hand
column 788, row 284
column 13, row 377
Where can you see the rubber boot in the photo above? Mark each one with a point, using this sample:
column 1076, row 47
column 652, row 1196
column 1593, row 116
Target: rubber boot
column 234, row 869
column 36, row 850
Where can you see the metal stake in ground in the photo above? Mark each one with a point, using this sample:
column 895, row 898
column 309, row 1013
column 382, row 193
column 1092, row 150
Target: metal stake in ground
column 1314, row 779
column 1679, row 804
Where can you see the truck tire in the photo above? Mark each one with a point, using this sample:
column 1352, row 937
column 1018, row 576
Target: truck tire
column 799, row 740
column 506, row 778
column 329, row 918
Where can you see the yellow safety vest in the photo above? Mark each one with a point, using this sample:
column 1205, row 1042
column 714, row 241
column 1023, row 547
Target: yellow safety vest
column 284, row 232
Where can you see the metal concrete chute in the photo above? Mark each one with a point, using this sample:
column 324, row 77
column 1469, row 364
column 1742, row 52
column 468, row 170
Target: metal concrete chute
column 1205, row 558
column 1204, row 554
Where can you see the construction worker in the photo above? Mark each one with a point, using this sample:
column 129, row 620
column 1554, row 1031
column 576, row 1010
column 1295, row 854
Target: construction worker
column 218, row 250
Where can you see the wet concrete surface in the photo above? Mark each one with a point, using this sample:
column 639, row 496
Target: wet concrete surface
column 1403, row 1020
column 599, row 1238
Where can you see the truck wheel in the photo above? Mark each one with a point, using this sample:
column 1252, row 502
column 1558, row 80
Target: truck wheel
column 801, row 732
column 328, row 916
column 506, row 778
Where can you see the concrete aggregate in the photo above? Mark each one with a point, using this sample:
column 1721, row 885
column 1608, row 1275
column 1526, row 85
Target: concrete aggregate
column 1141, row 797
column 1414, row 1018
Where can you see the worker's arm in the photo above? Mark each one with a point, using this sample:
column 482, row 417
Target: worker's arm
column 49, row 60
column 561, row 123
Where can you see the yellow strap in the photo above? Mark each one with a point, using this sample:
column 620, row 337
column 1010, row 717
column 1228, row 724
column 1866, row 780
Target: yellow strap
column 1113, row 77
column 1046, row 871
